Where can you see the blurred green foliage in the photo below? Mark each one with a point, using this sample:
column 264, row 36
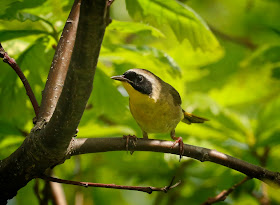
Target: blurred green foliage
column 232, row 77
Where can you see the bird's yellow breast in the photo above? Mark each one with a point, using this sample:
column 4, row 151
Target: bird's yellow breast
column 153, row 115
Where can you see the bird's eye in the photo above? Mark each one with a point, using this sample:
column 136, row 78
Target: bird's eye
column 140, row 78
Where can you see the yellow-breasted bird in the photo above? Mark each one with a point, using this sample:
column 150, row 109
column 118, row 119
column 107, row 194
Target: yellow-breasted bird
column 154, row 104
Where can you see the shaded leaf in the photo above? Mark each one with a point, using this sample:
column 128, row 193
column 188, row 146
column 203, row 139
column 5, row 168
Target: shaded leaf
column 12, row 34
column 276, row 73
column 11, row 8
column 105, row 98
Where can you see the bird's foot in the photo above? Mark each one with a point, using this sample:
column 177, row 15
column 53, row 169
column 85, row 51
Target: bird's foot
column 180, row 142
column 130, row 139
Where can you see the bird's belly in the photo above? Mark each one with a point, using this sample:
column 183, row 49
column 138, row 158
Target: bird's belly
column 156, row 117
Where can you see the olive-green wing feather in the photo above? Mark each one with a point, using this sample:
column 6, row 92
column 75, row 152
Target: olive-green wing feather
column 191, row 118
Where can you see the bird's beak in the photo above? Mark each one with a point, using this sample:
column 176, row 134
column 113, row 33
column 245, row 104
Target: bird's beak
column 120, row 78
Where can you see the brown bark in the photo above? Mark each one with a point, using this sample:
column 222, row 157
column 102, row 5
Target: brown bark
column 47, row 144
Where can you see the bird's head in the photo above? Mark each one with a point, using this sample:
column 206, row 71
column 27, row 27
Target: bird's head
column 139, row 80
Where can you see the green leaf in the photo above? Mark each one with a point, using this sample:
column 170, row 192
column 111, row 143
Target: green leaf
column 7, row 128
column 35, row 62
column 183, row 21
column 133, row 27
column 12, row 34
column 9, row 144
column 11, row 8
column 142, row 56
column 276, row 73
column 267, row 129
column 22, row 16
column 265, row 54
column 106, row 99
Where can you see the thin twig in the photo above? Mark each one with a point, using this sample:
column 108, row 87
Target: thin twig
column 148, row 189
column 224, row 194
column 7, row 59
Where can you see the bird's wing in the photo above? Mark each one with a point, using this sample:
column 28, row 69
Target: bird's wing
column 176, row 96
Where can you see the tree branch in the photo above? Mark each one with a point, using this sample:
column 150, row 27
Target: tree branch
column 148, row 189
column 93, row 145
column 48, row 143
column 224, row 194
column 60, row 64
column 7, row 59
column 79, row 80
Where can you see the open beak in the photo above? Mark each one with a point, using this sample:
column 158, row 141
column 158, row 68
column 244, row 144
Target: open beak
column 120, row 78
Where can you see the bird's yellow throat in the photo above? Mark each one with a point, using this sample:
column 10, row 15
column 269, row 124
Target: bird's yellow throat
column 135, row 95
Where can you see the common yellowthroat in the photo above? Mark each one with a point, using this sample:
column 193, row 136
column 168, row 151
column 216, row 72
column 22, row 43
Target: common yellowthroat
column 154, row 104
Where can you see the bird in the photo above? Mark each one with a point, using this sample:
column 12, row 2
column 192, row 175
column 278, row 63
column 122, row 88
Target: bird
column 155, row 105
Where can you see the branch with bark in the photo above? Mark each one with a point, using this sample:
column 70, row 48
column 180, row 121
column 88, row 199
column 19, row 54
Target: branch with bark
column 94, row 145
column 46, row 145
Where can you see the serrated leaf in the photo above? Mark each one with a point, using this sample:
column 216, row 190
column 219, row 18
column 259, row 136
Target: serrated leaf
column 142, row 56
column 183, row 21
column 12, row 34
column 133, row 27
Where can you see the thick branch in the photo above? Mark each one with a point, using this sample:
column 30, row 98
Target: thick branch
column 93, row 145
column 7, row 59
column 79, row 80
column 147, row 189
column 47, row 144
column 60, row 64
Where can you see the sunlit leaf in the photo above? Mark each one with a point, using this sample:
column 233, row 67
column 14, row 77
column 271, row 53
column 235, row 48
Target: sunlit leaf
column 142, row 56
column 133, row 28
column 184, row 22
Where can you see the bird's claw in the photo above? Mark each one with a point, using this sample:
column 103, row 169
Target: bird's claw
column 181, row 146
column 130, row 139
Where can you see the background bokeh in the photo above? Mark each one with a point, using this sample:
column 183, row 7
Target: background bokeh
column 230, row 76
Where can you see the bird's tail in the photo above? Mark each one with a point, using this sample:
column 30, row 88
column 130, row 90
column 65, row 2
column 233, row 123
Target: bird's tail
column 190, row 118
